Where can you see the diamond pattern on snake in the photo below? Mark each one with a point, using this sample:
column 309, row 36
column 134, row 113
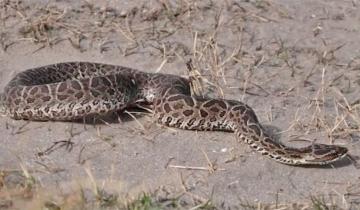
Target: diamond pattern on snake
column 67, row 91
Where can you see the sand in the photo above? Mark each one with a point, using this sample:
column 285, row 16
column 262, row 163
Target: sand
column 297, row 63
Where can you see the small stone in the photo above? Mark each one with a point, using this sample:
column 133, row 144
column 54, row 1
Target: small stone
column 123, row 13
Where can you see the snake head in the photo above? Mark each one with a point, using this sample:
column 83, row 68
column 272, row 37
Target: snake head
column 323, row 154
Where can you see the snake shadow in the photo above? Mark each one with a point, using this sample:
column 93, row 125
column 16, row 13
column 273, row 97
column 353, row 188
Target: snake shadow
column 115, row 117
column 275, row 133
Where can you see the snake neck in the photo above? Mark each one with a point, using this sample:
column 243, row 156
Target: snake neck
column 259, row 141
column 247, row 129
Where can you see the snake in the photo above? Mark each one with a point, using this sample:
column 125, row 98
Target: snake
column 74, row 90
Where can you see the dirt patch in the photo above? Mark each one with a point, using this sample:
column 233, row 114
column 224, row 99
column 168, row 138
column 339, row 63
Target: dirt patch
column 296, row 63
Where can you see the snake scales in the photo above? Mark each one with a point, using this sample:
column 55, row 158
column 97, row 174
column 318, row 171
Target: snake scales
column 67, row 91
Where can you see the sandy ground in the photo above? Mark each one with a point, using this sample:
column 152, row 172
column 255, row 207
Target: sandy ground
column 297, row 63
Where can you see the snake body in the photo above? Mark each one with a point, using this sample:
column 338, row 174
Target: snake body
column 67, row 91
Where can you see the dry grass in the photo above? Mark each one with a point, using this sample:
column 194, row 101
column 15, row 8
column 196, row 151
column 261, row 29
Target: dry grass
column 218, row 68
column 19, row 190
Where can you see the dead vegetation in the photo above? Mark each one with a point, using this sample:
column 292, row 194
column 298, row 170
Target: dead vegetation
column 228, row 59
column 20, row 190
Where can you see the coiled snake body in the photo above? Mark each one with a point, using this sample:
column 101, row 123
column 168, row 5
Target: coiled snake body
column 67, row 91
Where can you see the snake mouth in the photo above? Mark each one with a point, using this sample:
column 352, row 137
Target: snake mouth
column 342, row 150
